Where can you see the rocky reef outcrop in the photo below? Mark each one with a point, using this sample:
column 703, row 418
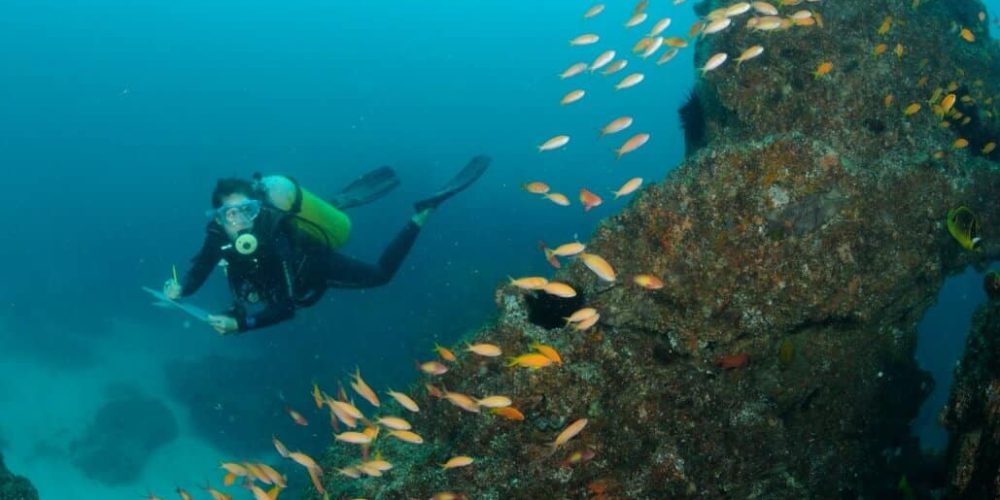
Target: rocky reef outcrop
column 973, row 412
column 124, row 433
column 800, row 242
column 13, row 487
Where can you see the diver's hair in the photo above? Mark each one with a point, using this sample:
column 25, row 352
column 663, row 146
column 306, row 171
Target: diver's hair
column 228, row 186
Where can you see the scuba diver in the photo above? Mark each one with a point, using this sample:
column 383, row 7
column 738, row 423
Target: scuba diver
column 276, row 242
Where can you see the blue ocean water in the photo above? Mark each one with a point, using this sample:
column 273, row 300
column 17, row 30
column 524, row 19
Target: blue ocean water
column 117, row 117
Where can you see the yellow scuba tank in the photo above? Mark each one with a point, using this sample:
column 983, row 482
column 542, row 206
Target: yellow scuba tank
column 313, row 216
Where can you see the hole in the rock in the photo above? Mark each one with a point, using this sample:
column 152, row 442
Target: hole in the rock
column 549, row 311
column 940, row 344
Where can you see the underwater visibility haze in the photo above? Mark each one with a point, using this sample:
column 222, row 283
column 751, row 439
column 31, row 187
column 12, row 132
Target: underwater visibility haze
column 745, row 263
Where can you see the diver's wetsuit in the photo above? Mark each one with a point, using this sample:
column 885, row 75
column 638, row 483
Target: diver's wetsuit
column 288, row 270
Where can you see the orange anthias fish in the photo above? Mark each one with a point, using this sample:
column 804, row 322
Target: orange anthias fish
column 634, row 143
column 559, row 290
column 433, row 368
column 589, row 199
column 216, row 494
column 531, row 360
column 549, row 256
column 581, row 315
column 317, row 395
column 569, row 432
column 629, row 187
column 617, row 125
column 509, row 412
column 462, row 401
column 297, row 417
column 823, row 69
column 554, row 143
column 485, row 350
column 459, row 461
column 599, row 266
column 547, row 351
column 405, row 401
column 557, row 198
column 648, row 281
column 536, row 187
column 445, row 353
column 278, row 445
column 569, row 249
column 363, row 390
column 578, row 457
column 530, row 282
column 304, row 460
column 408, row 436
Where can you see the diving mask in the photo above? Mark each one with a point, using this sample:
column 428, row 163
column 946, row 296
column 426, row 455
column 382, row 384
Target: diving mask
column 240, row 214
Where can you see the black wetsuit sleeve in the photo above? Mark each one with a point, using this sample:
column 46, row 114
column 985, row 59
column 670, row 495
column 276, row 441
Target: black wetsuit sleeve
column 347, row 272
column 275, row 313
column 202, row 264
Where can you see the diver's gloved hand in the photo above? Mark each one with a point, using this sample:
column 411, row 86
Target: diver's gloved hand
column 172, row 289
column 223, row 324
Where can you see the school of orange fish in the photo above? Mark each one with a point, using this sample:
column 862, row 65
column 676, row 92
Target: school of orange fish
column 350, row 424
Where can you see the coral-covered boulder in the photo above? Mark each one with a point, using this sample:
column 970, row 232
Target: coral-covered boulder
column 14, row 487
column 800, row 243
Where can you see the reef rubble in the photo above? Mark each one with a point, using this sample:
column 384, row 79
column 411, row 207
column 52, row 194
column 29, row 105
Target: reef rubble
column 804, row 234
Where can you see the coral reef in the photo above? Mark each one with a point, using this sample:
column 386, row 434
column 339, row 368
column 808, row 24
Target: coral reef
column 973, row 412
column 800, row 242
column 124, row 433
column 15, row 487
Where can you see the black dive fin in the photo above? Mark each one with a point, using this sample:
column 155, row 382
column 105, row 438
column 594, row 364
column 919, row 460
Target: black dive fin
column 366, row 189
column 472, row 171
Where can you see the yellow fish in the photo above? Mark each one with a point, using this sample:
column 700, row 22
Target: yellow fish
column 494, row 402
column 886, row 25
column 559, row 289
column 633, row 143
column 569, row 432
column 629, row 187
column 531, row 360
column 485, row 350
column 599, row 266
column 547, row 351
column 572, row 96
column 404, row 401
column 363, row 390
column 557, row 198
column 617, row 125
column 585, row 39
column 395, row 423
column 459, row 461
column 573, row 70
column 554, row 143
column 530, row 282
column 823, row 69
column 408, row 436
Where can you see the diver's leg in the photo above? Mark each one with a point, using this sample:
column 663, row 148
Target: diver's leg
column 348, row 272
column 472, row 171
